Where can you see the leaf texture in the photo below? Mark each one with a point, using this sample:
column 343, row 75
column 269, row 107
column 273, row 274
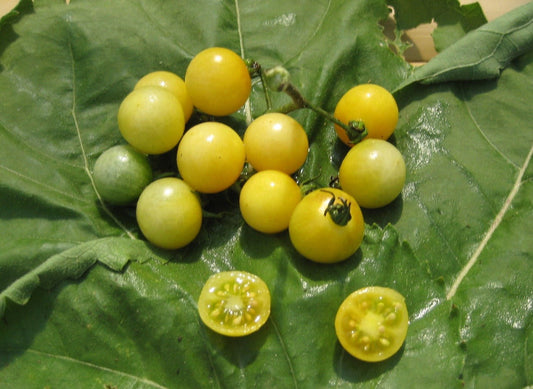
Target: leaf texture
column 86, row 302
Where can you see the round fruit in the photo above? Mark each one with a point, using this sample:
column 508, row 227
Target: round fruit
column 210, row 157
column 268, row 199
column 218, row 81
column 234, row 303
column 169, row 213
column 120, row 174
column 276, row 141
column 373, row 172
column 151, row 119
column 329, row 216
column 173, row 83
column 371, row 324
column 373, row 105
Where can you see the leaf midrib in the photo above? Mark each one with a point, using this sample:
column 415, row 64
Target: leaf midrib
column 492, row 228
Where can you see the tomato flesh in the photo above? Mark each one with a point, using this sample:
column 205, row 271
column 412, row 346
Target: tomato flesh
column 371, row 323
column 234, row 303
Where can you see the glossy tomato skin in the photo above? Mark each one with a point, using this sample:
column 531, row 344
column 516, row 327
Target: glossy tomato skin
column 120, row 174
column 151, row 119
column 372, row 104
column 268, row 199
column 373, row 172
column 173, row 83
column 210, row 157
column 234, row 303
column 218, row 81
column 275, row 141
column 169, row 213
column 371, row 323
column 316, row 236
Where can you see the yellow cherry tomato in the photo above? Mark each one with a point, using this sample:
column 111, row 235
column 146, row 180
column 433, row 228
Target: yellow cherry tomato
column 373, row 105
column 268, row 199
column 169, row 213
column 373, row 172
column 210, row 157
column 276, row 141
column 327, row 226
column 218, row 81
column 173, row 83
column 151, row 120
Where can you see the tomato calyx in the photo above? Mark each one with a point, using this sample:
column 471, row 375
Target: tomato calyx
column 339, row 213
column 356, row 131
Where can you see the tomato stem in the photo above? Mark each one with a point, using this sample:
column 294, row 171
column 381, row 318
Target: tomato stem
column 278, row 79
column 256, row 70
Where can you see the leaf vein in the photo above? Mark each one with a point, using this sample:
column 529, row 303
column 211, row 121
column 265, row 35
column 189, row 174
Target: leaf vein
column 285, row 351
column 480, row 130
column 494, row 225
column 86, row 167
column 41, row 184
column 98, row 367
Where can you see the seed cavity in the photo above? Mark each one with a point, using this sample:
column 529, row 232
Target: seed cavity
column 237, row 305
column 384, row 342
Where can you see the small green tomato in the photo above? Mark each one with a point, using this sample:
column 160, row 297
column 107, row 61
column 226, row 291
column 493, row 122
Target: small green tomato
column 120, row 174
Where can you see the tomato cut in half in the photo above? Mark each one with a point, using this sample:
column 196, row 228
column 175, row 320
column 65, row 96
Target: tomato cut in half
column 234, row 303
column 371, row 323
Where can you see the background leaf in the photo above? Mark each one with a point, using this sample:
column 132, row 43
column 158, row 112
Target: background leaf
column 131, row 321
column 483, row 53
column 452, row 19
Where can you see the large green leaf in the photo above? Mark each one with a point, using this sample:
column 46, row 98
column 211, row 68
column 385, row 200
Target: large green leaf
column 87, row 303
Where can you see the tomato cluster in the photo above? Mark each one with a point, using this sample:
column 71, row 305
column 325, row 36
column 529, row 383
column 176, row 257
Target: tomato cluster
column 325, row 225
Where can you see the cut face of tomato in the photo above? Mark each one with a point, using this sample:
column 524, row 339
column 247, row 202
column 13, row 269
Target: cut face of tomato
column 371, row 324
column 234, row 303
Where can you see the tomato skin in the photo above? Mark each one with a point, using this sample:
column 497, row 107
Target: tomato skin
column 218, row 81
column 234, row 303
column 372, row 104
column 373, row 172
column 210, row 157
column 173, row 83
column 316, row 236
column 151, row 119
column 268, row 199
column 120, row 174
column 169, row 213
column 275, row 141
column 371, row 323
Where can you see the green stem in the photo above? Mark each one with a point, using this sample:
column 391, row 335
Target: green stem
column 265, row 89
column 278, row 79
column 355, row 129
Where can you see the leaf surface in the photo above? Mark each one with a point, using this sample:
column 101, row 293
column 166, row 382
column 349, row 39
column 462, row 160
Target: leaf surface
column 87, row 302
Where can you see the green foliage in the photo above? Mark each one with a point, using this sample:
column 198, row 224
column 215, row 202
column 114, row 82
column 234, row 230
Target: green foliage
column 86, row 302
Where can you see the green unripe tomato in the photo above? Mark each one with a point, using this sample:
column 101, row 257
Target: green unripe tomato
column 120, row 174
column 151, row 119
